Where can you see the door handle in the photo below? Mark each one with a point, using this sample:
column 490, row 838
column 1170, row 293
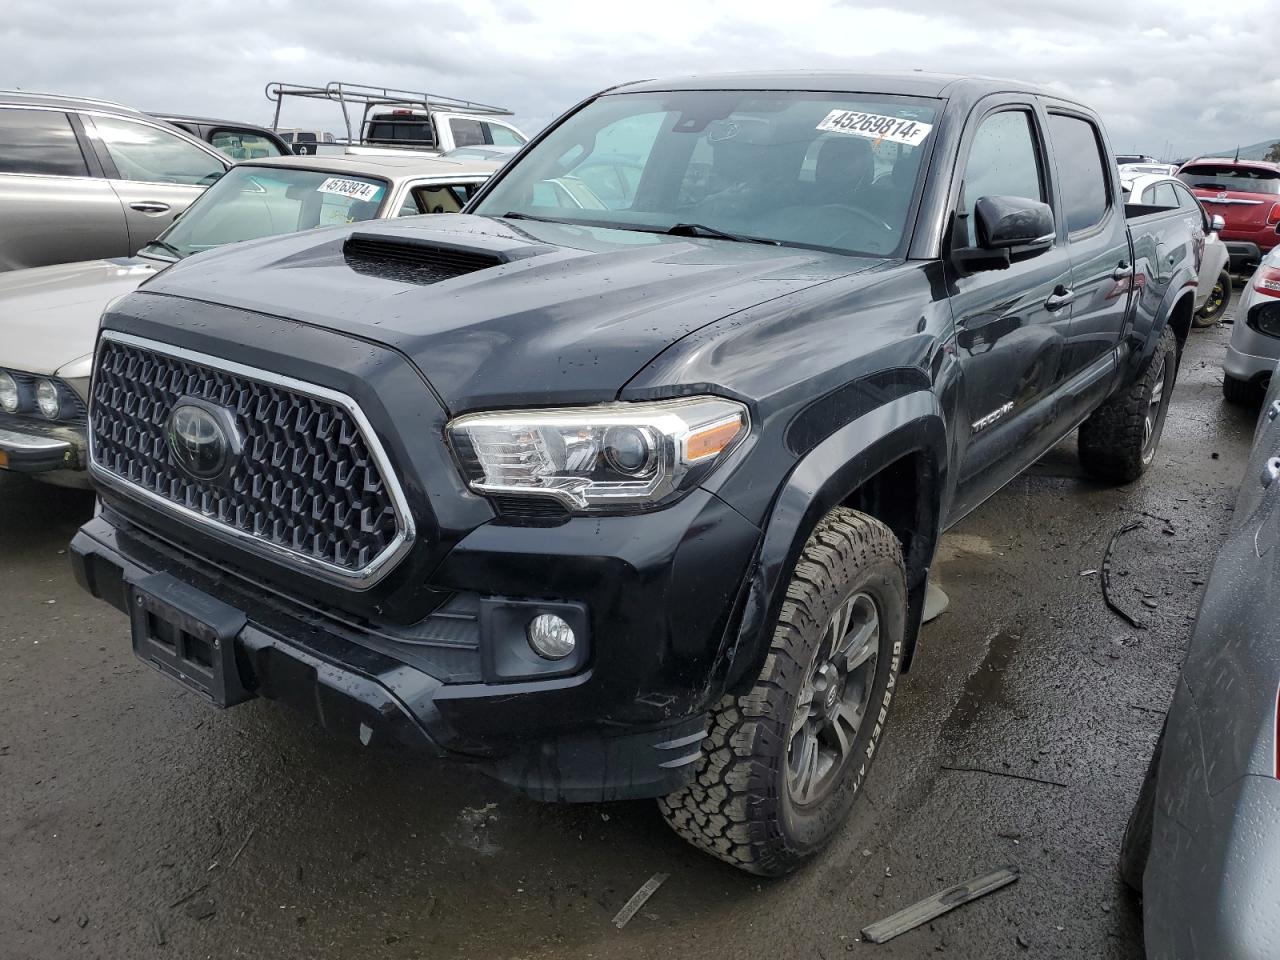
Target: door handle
column 1274, row 410
column 1122, row 270
column 149, row 206
column 1061, row 297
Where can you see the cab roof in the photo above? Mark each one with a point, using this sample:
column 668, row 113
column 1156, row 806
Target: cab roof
column 915, row 83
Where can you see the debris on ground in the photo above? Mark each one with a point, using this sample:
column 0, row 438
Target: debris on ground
column 201, row 909
column 1106, row 577
column 941, row 902
column 1005, row 773
column 188, row 895
column 639, row 899
column 240, row 849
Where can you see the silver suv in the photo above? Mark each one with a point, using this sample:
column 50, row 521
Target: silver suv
column 85, row 179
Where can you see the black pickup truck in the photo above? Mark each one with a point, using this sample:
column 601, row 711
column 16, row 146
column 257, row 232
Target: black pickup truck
column 627, row 481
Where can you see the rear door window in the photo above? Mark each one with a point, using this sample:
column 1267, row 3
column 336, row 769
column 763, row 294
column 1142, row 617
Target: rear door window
column 1003, row 162
column 1160, row 195
column 466, row 133
column 1225, row 177
column 243, row 144
column 39, row 142
column 148, row 154
column 1085, row 189
column 503, row 136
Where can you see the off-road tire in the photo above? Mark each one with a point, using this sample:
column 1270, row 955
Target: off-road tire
column 1209, row 314
column 739, row 807
column 1113, row 444
column 1135, row 848
column 1243, row 393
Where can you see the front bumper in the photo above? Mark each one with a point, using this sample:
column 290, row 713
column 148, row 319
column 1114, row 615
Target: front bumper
column 628, row 724
column 28, row 446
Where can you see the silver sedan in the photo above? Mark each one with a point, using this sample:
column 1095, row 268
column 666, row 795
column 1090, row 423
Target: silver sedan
column 1203, row 842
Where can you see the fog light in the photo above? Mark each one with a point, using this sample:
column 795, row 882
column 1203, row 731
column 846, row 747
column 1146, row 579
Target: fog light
column 9, row 398
column 551, row 637
column 47, row 399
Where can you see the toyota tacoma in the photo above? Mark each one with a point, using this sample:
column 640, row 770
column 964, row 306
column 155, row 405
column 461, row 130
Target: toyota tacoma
column 634, row 493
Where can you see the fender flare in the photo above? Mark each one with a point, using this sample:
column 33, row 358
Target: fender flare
column 1182, row 289
column 825, row 477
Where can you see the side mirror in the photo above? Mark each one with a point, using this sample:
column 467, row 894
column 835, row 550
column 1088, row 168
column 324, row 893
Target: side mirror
column 1216, row 223
column 1015, row 224
column 1007, row 227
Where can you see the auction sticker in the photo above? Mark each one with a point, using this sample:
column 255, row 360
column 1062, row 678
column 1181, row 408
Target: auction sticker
column 874, row 126
column 355, row 189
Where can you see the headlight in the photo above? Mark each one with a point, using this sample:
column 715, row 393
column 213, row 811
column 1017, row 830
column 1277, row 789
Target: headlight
column 617, row 456
column 10, row 399
column 49, row 399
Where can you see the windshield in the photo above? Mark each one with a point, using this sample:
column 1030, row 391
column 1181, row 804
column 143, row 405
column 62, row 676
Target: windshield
column 827, row 170
column 1228, row 177
column 251, row 202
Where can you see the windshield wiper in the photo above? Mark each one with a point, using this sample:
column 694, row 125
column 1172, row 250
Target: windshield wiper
column 712, row 233
column 167, row 247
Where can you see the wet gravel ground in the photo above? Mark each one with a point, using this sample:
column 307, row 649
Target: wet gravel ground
column 136, row 822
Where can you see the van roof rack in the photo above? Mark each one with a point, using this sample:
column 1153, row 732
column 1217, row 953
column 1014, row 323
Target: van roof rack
column 349, row 95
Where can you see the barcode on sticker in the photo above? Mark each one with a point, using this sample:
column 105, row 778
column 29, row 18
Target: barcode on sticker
column 874, row 126
column 355, row 189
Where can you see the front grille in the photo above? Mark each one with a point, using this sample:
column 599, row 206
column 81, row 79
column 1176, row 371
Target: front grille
column 308, row 481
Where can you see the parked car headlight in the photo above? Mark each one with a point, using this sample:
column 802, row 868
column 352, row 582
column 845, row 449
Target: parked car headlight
column 613, row 457
column 10, row 398
column 49, row 399
column 1265, row 318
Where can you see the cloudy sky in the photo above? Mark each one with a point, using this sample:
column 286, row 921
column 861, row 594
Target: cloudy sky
column 1192, row 76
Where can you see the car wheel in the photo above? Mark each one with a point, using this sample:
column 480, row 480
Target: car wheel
column 1244, row 393
column 1219, row 297
column 1135, row 848
column 1119, row 440
column 783, row 763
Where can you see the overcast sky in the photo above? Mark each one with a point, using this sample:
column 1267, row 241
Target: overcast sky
column 1194, row 75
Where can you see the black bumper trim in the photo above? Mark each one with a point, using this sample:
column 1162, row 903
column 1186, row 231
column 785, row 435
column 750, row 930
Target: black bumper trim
column 398, row 705
column 29, row 452
column 1243, row 254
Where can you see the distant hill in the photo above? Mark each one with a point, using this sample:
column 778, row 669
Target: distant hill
column 1254, row 151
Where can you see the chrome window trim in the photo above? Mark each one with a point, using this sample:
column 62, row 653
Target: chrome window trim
column 361, row 579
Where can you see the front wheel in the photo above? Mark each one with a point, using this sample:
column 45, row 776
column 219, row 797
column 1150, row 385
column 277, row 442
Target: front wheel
column 782, row 764
column 1219, row 296
column 1119, row 440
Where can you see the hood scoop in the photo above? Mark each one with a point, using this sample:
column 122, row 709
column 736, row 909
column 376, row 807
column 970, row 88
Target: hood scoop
column 417, row 260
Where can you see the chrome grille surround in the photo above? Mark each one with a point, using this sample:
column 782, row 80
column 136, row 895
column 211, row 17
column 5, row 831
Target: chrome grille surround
column 200, row 507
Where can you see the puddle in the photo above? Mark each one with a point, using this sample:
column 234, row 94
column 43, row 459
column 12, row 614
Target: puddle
column 985, row 687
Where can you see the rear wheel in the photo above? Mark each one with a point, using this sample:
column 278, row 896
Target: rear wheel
column 1219, row 297
column 1244, row 393
column 1119, row 440
column 783, row 763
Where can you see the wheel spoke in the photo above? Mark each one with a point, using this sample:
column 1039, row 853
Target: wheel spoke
column 804, row 708
column 845, row 730
column 807, row 768
column 840, row 625
column 862, row 646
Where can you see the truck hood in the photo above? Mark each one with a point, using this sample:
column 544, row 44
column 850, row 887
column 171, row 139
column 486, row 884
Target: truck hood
column 49, row 315
column 570, row 316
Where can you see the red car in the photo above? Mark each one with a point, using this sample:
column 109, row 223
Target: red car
column 1247, row 195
